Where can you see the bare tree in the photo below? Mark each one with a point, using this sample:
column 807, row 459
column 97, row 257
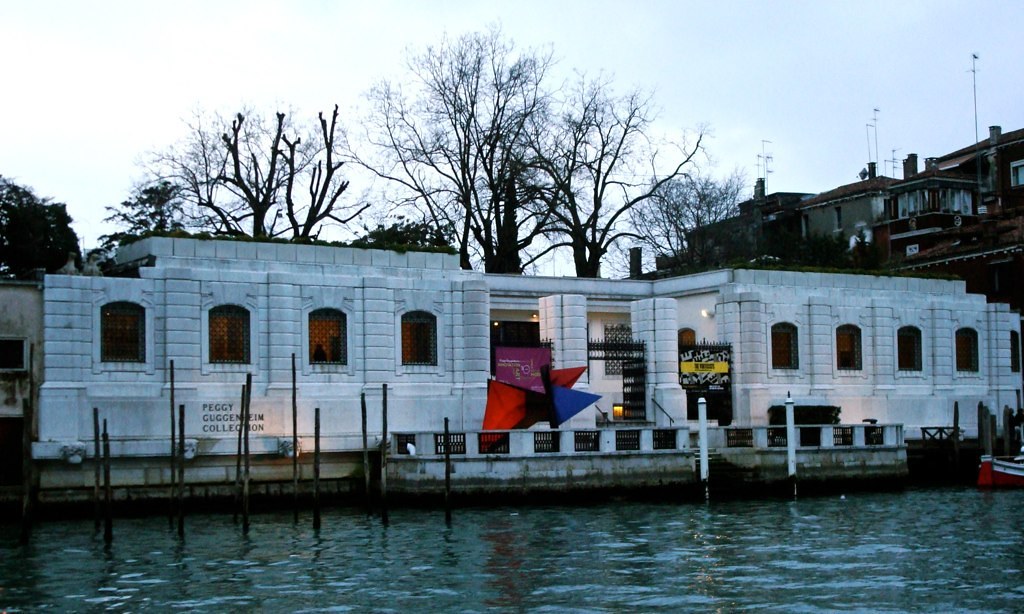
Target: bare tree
column 457, row 148
column 679, row 219
column 238, row 177
column 602, row 163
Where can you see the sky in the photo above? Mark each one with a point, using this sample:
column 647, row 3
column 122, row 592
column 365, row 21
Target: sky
column 91, row 87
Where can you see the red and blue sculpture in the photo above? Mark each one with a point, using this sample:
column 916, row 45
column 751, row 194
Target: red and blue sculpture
column 526, row 391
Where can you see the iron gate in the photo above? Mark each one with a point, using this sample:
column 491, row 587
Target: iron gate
column 633, row 357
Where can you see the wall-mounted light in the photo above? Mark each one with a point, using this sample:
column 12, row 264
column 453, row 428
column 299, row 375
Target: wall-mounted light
column 494, row 323
column 534, row 316
column 707, row 313
column 618, row 411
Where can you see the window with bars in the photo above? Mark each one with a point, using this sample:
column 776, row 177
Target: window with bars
column 908, row 349
column 966, row 350
column 122, row 332
column 616, row 333
column 328, row 337
column 848, row 352
column 229, row 334
column 1014, row 351
column 419, row 338
column 784, row 347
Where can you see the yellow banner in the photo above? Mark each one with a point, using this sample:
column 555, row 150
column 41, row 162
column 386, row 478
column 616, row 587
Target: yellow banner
column 704, row 367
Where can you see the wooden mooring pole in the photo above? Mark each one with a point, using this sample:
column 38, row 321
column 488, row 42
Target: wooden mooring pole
column 174, row 456
column 384, row 457
column 27, row 471
column 295, row 444
column 97, row 459
column 702, row 445
column 238, row 458
column 1007, row 431
column 245, row 453
column 956, row 439
column 791, row 441
column 316, row 468
column 366, row 454
column 181, row 471
column 447, row 473
column 108, row 524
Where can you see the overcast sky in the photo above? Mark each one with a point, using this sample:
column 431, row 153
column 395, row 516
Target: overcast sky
column 89, row 87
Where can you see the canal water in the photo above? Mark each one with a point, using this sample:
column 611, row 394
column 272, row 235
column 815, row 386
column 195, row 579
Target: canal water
column 932, row 550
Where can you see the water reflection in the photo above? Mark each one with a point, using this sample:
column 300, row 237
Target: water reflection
column 923, row 550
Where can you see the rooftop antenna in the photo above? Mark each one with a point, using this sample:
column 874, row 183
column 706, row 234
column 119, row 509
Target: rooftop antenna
column 763, row 159
column 874, row 125
column 894, row 161
column 977, row 147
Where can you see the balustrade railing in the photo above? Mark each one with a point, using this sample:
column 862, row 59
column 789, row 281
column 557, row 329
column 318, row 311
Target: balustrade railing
column 642, row 440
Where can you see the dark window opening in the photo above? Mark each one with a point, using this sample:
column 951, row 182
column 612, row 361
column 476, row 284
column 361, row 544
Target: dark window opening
column 229, row 334
column 328, row 334
column 122, row 332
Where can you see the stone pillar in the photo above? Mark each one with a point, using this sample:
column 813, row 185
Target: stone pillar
column 655, row 322
column 471, row 342
column 819, row 361
column 563, row 320
column 378, row 332
column 883, row 338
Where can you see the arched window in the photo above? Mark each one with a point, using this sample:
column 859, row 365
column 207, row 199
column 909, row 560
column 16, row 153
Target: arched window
column 122, row 332
column 229, row 334
column 419, row 338
column 328, row 337
column 785, row 353
column 966, row 350
column 1014, row 351
column 908, row 349
column 687, row 336
column 848, row 356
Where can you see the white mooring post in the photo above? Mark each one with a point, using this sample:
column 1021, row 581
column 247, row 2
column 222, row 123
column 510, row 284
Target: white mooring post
column 702, row 442
column 791, row 441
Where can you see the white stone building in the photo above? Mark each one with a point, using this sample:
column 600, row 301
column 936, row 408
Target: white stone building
column 893, row 349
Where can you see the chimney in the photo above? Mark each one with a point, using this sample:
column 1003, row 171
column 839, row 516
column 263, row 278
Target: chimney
column 931, row 164
column 994, row 132
column 910, row 166
column 635, row 266
column 759, row 188
column 872, row 169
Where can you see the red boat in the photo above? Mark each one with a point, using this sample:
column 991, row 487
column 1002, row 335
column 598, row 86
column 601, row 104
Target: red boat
column 1001, row 472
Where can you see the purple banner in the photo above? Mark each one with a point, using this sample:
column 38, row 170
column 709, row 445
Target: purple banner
column 520, row 367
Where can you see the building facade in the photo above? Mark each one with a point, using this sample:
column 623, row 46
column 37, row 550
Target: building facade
column 346, row 322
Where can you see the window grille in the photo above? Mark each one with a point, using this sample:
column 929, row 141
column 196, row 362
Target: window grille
column 739, row 438
column 545, row 441
column 493, row 443
column 402, row 441
column 966, row 350
column 777, row 437
column 616, row 333
column 874, row 435
column 229, row 334
column 784, row 347
column 908, row 348
column 848, row 356
column 328, row 337
column 457, row 440
column 587, row 441
column 419, row 338
column 627, row 440
column 122, row 332
column 842, row 435
column 664, row 439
